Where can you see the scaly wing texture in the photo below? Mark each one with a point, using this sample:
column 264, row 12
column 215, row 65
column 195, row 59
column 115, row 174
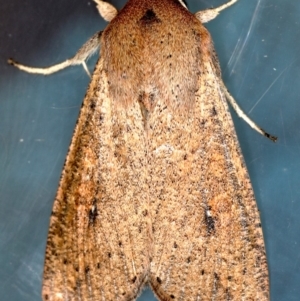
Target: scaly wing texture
column 98, row 240
column 208, row 242
column 154, row 179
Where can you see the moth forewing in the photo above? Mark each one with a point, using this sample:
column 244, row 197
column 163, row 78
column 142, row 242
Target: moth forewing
column 212, row 245
column 154, row 189
column 98, row 245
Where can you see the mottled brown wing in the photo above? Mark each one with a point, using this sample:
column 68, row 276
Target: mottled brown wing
column 98, row 241
column 208, row 242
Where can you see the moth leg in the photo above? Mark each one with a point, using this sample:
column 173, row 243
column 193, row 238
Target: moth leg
column 207, row 15
column 106, row 10
column 80, row 57
column 244, row 116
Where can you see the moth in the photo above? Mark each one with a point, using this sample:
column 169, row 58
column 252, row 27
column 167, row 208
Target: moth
column 154, row 189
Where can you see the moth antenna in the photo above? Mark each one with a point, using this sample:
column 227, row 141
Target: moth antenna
column 83, row 54
column 244, row 116
column 106, row 10
column 85, row 67
column 207, row 15
column 182, row 2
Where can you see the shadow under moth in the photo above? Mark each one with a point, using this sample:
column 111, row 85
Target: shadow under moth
column 154, row 189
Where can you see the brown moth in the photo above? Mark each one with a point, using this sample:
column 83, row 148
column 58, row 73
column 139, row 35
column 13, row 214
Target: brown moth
column 154, row 188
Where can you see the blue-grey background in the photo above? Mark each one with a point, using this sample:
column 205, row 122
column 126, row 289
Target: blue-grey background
column 258, row 46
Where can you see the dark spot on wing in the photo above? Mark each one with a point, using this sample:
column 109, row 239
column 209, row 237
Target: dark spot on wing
column 228, row 294
column 92, row 105
column 93, row 213
column 216, row 276
column 209, row 221
column 214, row 111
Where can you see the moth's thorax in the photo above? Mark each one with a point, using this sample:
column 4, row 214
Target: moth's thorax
column 154, row 49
